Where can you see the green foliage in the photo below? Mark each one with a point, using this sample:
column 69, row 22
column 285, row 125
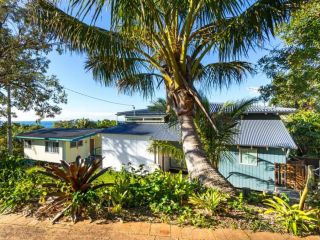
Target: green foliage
column 17, row 128
column 294, row 69
column 216, row 142
column 161, row 192
column 85, row 123
column 18, row 187
column 291, row 218
column 167, row 193
column 212, row 200
column 305, row 129
column 73, row 185
column 172, row 149
column 237, row 202
column 23, row 65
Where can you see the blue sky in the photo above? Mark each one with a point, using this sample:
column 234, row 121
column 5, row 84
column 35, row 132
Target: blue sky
column 69, row 68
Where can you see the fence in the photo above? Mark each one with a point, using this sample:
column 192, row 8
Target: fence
column 294, row 173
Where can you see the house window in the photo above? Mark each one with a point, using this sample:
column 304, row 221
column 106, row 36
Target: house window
column 73, row 144
column 52, row 147
column 249, row 156
column 27, row 143
column 80, row 143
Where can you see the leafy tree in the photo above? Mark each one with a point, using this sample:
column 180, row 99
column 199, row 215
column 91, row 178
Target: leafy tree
column 17, row 128
column 295, row 73
column 305, row 129
column 163, row 43
column 85, row 123
column 294, row 69
column 23, row 81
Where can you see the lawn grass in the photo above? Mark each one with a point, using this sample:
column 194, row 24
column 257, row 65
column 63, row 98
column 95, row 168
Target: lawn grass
column 107, row 177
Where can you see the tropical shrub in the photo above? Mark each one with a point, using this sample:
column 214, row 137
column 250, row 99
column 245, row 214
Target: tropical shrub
column 161, row 192
column 167, row 193
column 18, row 187
column 212, row 200
column 73, row 187
column 291, row 218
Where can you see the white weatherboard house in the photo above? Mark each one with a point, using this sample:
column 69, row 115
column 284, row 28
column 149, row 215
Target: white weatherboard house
column 55, row 144
column 129, row 142
column 261, row 144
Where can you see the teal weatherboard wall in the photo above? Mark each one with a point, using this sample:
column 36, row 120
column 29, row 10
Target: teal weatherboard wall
column 257, row 177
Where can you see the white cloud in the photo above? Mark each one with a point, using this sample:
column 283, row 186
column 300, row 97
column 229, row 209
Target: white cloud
column 253, row 90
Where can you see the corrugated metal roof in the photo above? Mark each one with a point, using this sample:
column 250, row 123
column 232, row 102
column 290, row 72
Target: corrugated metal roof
column 256, row 133
column 263, row 133
column 67, row 134
column 215, row 107
column 141, row 112
column 156, row 131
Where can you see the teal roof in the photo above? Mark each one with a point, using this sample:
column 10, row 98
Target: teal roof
column 61, row 134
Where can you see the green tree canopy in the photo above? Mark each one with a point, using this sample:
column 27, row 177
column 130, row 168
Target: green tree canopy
column 305, row 129
column 295, row 68
column 24, row 84
column 85, row 123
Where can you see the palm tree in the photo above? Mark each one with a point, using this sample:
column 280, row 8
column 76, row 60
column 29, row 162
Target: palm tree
column 163, row 43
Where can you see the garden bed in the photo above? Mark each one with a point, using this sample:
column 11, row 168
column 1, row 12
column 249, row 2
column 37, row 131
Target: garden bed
column 133, row 197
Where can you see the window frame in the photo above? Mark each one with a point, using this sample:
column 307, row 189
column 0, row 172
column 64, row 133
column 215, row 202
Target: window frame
column 75, row 144
column 246, row 149
column 50, row 149
column 78, row 143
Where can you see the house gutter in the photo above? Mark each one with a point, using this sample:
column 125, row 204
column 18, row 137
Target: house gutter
column 58, row 139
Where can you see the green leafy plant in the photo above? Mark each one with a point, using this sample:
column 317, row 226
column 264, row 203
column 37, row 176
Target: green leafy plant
column 237, row 202
column 212, row 200
column 18, row 187
column 73, row 187
column 167, row 193
column 294, row 220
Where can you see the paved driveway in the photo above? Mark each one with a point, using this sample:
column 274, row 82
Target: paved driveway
column 14, row 226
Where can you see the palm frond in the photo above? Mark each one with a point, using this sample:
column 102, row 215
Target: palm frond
column 223, row 74
column 237, row 33
column 167, row 148
column 252, row 27
column 143, row 83
column 79, row 36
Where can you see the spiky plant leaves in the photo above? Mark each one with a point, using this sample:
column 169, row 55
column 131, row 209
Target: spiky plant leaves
column 77, row 179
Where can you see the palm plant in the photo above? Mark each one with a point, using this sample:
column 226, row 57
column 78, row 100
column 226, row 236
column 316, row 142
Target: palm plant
column 291, row 217
column 212, row 200
column 215, row 143
column 73, row 185
column 164, row 43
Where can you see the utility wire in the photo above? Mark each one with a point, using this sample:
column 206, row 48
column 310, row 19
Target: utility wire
column 100, row 99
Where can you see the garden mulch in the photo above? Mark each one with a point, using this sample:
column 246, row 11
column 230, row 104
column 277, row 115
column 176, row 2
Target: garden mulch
column 14, row 226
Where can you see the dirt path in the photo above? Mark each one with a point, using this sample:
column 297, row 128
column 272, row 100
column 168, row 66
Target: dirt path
column 14, row 226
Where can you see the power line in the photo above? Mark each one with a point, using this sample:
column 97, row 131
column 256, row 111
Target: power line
column 100, row 99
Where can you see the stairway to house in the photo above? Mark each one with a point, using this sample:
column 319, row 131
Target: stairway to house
column 291, row 193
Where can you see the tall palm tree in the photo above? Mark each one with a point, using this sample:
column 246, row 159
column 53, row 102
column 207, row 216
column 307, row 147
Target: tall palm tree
column 154, row 43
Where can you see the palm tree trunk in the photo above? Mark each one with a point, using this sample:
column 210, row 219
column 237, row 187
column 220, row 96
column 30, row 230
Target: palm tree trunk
column 197, row 164
column 196, row 160
column 9, row 122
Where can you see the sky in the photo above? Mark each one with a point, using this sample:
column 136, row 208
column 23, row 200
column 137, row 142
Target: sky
column 69, row 68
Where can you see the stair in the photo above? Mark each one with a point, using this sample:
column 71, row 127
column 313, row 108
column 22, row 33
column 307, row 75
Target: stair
column 291, row 193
